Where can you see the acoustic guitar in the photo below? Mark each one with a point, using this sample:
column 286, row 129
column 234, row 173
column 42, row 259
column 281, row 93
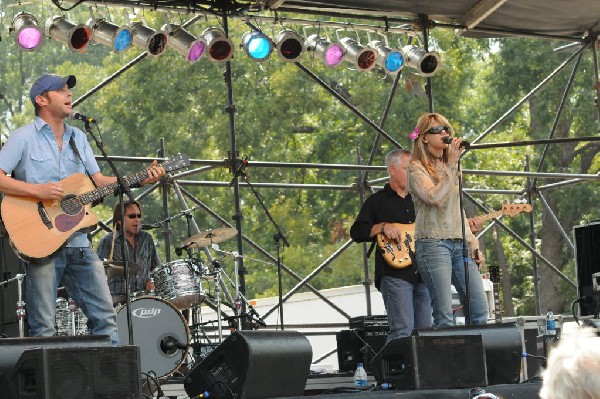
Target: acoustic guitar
column 39, row 228
column 398, row 254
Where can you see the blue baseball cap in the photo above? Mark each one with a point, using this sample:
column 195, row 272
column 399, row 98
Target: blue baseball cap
column 49, row 83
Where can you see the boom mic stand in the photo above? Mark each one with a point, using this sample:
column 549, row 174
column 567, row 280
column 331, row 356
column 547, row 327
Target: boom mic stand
column 278, row 236
column 123, row 188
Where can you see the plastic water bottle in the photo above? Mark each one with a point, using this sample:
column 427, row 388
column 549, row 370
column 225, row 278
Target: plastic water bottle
column 360, row 376
column 550, row 323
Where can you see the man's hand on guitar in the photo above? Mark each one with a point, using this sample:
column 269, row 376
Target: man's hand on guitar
column 476, row 224
column 155, row 172
column 391, row 231
column 476, row 255
column 50, row 191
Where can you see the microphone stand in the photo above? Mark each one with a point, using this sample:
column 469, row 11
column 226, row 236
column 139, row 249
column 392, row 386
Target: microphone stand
column 467, row 304
column 123, row 188
column 278, row 236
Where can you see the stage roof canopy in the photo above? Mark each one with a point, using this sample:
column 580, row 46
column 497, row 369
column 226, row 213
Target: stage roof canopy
column 561, row 19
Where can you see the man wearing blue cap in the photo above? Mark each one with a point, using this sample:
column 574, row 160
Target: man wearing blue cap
column 39, row 155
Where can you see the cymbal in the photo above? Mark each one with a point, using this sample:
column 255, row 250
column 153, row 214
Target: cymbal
column 208, row 237
column 116, row 268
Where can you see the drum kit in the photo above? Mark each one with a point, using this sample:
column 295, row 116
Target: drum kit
column 159, row 327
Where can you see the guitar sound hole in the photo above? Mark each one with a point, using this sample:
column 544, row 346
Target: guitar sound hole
column 70, row 205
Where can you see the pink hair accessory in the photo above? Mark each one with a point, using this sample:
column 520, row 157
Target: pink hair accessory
column 413, row 136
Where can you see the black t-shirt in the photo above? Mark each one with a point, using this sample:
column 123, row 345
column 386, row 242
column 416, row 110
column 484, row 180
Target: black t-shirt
column 385, row 206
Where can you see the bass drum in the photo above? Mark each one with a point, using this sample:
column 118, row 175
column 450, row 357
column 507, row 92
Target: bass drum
column 160, row 331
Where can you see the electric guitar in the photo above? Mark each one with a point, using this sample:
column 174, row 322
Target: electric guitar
column 398, row 254
column 38, row 228
column 495, row 279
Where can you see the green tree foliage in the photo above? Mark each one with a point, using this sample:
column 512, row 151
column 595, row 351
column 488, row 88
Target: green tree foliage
column 282, row 115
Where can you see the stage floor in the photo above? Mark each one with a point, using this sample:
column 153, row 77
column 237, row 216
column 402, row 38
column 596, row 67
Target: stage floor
column 341, row 385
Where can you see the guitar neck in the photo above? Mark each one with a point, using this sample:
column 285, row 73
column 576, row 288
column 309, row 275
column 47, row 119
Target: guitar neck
column 497, row 310
column 101, row 192
column 491, row 215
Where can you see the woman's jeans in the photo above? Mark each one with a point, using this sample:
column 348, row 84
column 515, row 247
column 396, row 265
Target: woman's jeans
column 441, row 264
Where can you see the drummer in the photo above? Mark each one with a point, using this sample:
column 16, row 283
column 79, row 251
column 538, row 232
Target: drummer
column 140, row 250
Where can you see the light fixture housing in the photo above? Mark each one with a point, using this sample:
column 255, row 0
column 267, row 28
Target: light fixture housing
column 28, row 35
column 289, row 45
column 390, row 60
column 109, row 34
column 257, row 45
column 363, row 58
column 426, row 63
column 185, row 43
column 153, row 41
column 219, row 47
column 332, row 54
column 76, row 37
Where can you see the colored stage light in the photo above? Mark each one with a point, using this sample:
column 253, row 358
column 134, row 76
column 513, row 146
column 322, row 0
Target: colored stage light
column 219, row 47
column 76, row 37
column 257, row 45
column 28, row 34
column 153, row 41
column 363, row 58
column 391, row 61
column 185, row 43
column 109, row 34
column 289, row 45
column 332, row 54
column 424, row 62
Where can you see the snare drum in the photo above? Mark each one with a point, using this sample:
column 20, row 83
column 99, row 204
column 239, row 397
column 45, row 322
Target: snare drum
column 68, row 312
column 159, row 330
column 178, row 283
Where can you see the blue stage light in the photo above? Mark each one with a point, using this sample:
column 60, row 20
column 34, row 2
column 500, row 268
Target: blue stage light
column 257, row 45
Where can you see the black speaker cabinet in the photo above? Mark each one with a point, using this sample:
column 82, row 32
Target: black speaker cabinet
column 432, row 362
column 10, row 267
column 72, row 372
column 253, row 364
column 359, row 346
column 587, row 258
column 501, row 343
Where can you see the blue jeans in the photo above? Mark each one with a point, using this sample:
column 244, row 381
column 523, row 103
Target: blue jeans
column 440, row 263
column 82, row 273
column 408, row 306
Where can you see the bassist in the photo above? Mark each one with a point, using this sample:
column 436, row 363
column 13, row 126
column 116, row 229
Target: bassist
column 39, row 155
column 405, row 297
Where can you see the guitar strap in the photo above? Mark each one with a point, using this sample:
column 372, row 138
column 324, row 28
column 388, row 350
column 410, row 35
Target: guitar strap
column 76, row 151
column 371, row 249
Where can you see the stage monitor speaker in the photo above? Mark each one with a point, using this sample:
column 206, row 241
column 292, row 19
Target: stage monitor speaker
column 253, row 364
column 502, row 345
column 359, row 346
column 432, row 362
column 74, row 373
column 587, row 259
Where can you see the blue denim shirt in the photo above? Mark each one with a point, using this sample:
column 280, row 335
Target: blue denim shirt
column 32, row 153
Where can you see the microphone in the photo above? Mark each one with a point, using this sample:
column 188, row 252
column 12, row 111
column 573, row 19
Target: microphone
column 239, row 170
column 149, row 226
column 448, row 140
column 77, row 116
column 180, row 250
column 170, row 343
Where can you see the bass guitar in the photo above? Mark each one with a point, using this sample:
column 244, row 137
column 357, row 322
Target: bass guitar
column 38, row 228
column 398, row 254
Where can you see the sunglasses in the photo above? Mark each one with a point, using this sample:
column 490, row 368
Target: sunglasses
column 135, row 215
column 438, row 130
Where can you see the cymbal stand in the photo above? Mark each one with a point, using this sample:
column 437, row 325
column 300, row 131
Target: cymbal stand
column 20, row 302
column 239, row 297
column 217, row 268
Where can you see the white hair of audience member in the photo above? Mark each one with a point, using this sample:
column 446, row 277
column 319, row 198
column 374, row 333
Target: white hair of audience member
column 573, row 370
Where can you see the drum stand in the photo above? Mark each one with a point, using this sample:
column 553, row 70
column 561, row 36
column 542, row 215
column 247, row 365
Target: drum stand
column 20, row 302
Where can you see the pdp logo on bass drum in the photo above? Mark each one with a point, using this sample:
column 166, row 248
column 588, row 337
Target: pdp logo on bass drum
column 145, row 313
